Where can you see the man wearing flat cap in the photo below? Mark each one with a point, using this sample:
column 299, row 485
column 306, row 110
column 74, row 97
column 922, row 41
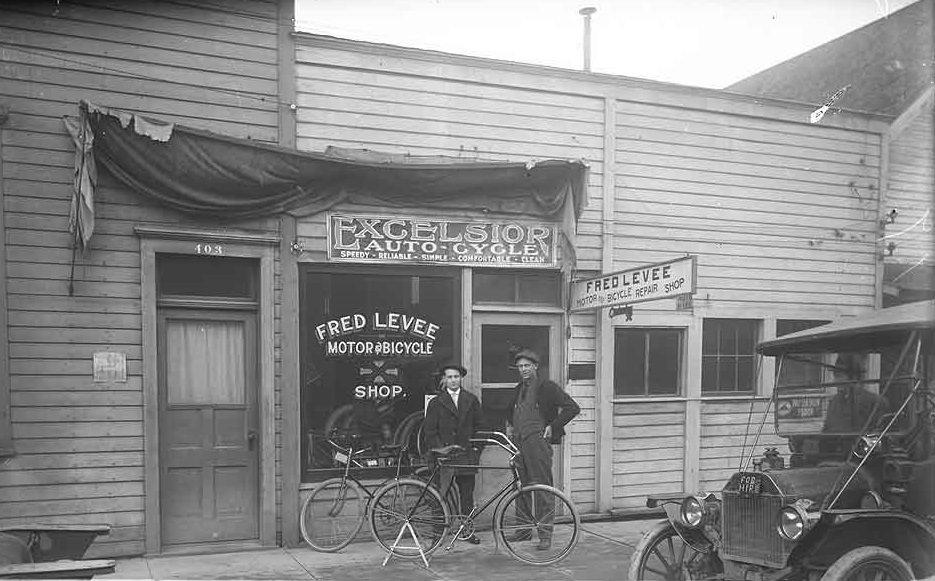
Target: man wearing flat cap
column 538, row 413
column 453, row 417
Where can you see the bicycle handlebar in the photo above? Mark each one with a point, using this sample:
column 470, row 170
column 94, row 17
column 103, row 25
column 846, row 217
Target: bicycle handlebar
column 497, row 438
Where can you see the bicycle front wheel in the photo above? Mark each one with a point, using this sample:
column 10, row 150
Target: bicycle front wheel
column 332, row 515
column 537, row 524
column 403, row 501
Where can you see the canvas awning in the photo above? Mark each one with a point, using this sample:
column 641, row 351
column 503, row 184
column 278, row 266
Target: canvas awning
column 204, row 173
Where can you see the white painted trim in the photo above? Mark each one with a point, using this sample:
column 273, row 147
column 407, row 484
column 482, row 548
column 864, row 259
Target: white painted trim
column 604, row 341
column 240, row 244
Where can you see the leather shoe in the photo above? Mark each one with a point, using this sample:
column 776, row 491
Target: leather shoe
column 473, row 540
column 544, row 545
column 519, row 536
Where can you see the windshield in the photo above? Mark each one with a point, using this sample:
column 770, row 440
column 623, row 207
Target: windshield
column 837, row 396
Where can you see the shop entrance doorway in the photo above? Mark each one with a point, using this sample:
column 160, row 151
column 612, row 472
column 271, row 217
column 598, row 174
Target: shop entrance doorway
column 497, row 338
column 208, row 438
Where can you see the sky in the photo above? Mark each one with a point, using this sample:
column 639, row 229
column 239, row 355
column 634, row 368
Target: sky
column 703, row 43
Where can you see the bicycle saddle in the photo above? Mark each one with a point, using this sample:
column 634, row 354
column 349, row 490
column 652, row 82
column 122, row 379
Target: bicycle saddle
column 447, row 450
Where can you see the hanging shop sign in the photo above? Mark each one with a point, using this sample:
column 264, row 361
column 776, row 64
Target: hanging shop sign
column 635, row 285
column 390, row 239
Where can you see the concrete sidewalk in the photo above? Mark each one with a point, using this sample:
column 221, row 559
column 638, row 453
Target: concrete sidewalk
column 603, row 553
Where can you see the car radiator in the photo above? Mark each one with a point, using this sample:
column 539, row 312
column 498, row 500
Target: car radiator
column 748, row 529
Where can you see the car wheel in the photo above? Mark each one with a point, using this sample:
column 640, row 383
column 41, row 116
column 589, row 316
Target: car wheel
column 662, row 554
column 869, row 564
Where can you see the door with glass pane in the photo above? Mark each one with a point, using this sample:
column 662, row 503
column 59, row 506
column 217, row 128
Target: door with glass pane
column 497, row 338
column 207, row 426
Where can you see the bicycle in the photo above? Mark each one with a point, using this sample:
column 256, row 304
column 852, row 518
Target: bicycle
column 413, row 507
column 336, row 509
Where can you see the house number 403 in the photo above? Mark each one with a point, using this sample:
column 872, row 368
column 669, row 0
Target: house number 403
column 212, row 249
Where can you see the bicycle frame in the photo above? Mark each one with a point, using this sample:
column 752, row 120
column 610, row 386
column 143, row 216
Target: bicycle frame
column 350, row 453
column 497, row 438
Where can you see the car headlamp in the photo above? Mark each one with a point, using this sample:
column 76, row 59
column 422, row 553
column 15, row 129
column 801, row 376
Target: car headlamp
column 795, row 520
column 693, row 511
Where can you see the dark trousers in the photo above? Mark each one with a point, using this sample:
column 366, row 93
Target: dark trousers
column 534, row 465
column 466, row 488
column 465, row 484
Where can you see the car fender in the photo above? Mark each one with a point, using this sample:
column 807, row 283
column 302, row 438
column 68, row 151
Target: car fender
column 840, row 531
column 694, row 538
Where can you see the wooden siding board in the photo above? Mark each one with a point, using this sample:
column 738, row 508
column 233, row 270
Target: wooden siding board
column 642, row 134
column 322, row 65
column 739, row 126
column 158, row 16
column 96, row 68
column 91, row 23
column 252, row 123
column 71, row 491
column 76, row 398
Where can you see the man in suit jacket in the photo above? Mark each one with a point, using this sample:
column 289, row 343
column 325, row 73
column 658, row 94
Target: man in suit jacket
column 537, row 414
column 453, row 417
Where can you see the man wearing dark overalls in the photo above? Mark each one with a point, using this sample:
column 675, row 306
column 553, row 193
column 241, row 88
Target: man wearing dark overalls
column 538, row 414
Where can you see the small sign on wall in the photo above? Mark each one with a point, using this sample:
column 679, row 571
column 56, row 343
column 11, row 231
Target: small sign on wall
column 110, row 367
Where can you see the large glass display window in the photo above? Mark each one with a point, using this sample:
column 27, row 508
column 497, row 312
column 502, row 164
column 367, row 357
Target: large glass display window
column 372, row 340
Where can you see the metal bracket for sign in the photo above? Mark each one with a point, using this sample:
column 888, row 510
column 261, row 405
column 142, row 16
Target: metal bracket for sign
column 624, row 310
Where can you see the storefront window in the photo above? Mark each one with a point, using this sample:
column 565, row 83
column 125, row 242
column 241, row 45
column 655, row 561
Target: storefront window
column 647, row 361
column 727, row 358
column 371, row 344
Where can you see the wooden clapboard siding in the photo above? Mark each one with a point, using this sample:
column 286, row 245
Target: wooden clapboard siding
column 353, row 99
column 581, row 443
column 648, row 450
column 208, row 65
column 911, row 191
column 728, row 432
column 767, row 206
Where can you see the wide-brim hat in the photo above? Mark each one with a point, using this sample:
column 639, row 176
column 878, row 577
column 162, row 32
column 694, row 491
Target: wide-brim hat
column 526, row 354
column 456, row 367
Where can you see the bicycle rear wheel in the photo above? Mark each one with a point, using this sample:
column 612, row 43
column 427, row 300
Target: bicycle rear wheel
column 528, row 516
column 407, row 500
column 332, row 514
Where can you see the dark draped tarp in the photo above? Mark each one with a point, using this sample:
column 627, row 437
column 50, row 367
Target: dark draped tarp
column 203, row 173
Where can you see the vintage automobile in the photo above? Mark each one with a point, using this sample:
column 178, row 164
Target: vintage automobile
column 848, row 503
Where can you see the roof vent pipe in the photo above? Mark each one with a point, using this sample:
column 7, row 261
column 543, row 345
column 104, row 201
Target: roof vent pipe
column 587, row 12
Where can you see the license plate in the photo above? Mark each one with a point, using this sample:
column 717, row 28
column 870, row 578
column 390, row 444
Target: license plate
column 750, row 484
column 340, row 457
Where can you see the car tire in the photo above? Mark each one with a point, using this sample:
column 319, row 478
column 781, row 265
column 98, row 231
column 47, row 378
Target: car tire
column 869, row 563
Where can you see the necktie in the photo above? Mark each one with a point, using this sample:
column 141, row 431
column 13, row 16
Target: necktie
column 454, row 396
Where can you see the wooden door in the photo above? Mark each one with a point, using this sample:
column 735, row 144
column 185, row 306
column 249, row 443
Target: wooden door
column 497, row 336
column 208, row 437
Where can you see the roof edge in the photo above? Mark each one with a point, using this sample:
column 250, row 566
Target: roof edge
column 587, row 77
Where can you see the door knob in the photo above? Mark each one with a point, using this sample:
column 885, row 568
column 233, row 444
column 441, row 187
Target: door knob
column 251, row 438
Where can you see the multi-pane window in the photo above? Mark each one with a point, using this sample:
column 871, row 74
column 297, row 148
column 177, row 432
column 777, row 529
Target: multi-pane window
column 801, row 369
column 509, row 287
column 727, row 355
column 647, row 361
